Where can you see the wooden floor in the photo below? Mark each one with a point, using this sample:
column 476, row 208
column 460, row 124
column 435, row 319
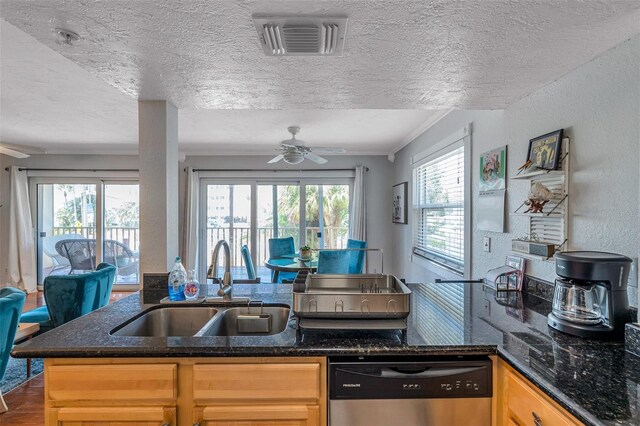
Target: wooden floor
column 26, row 402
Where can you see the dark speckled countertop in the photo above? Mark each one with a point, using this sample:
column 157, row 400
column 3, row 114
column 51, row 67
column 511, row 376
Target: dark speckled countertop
column 596, row 381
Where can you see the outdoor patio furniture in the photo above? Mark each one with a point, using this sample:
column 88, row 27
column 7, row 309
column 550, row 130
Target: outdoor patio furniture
column 81, row 254
column 11, row 303
column 49, row 248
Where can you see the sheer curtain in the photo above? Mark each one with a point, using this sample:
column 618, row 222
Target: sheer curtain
column 358, row 214
column 190, row 223
column 22, row 250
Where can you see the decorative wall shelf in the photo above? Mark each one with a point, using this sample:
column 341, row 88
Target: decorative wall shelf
column 549, row 226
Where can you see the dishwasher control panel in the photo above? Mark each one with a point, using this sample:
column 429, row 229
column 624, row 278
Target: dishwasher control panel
column 402, row 378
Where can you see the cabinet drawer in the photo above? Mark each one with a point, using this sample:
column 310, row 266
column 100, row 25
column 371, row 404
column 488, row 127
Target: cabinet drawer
column 525, row 405
column 134, row 416
column 112, row 382
column 281, row 415
column 257, row 382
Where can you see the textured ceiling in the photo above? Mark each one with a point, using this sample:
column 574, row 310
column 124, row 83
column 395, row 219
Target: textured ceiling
column 47, row 101
column 403, row 60
column 398, row 54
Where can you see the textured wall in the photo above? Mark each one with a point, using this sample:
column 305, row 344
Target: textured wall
column 598, row 105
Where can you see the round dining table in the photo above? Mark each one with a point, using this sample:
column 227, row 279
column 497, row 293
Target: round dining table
column 290, row 264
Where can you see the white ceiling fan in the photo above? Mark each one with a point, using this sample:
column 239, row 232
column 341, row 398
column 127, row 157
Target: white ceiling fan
column 294, row 151
column 19, row 151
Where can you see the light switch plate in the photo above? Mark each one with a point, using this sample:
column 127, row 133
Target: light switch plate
column 486, row 244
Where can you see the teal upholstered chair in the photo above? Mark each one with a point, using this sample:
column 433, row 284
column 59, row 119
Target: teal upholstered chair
column 282, row 247
column 71, row 296
column 356, row 263
column 248, row 262
column 333, row 261
column 11, row 303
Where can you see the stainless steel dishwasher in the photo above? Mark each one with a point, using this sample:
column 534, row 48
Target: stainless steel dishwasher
column 407, row 391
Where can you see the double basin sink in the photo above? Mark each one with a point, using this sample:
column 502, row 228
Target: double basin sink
column 205, row 320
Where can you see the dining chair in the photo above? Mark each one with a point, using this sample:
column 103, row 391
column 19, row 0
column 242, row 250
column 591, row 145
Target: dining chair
column 282, row 247
column 333, row 261
column 248, row 262
column 356, row 261
column 11, row 304
column 68, row 297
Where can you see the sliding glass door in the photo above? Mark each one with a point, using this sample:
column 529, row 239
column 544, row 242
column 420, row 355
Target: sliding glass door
column 121, row 243
column 82, row 222
column 278, row 215
column 327, row 216
column 66, row 212
column 228, row 217
column 252, row 212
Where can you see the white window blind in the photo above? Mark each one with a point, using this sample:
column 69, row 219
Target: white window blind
column 438, row 208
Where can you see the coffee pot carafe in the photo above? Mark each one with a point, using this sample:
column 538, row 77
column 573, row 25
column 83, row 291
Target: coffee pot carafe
column 590, row 295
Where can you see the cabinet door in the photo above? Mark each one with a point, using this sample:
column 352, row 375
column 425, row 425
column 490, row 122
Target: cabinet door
column 109, row 416
column 266, row 415
column 527, row 408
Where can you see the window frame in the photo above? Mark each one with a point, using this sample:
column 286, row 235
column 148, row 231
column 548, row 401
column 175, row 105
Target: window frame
column 454, row 141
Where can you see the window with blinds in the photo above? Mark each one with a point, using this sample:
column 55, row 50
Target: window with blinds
column 438, row 208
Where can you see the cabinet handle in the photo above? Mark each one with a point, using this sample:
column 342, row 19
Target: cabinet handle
column 536, row 419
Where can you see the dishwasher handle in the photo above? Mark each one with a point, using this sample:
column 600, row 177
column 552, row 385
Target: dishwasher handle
column 423, row 373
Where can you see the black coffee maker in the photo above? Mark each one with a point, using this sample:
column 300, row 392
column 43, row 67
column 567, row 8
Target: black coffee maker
column 590, row 295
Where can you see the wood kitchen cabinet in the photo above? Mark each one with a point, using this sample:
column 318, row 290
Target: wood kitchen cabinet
column 186, row 391
column 258, row 394
column 520, row 403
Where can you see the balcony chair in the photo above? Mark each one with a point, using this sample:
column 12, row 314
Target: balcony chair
column 68, row 297
column 49, row 248
column 11, row 304
column 356, row 263
column 248, row 262
column 122, row 257
column 333, row 261
column 81, row 254
column 282, row 248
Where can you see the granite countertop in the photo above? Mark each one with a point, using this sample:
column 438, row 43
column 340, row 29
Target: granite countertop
column 596, row 381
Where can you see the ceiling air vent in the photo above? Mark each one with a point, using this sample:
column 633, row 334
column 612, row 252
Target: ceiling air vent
column 301, row 35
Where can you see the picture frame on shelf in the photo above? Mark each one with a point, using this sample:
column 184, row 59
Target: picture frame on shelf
column 399, row 198
column 544, row 151
column 519, row 264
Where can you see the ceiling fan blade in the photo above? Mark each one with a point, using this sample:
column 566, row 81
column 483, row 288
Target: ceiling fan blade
column 327, row 150
column 276, row 159
column 315, row 158
column 12, row 152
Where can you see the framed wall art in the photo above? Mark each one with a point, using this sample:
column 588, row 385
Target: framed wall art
column 399, row 197
column 493, row 166
column 544, row 151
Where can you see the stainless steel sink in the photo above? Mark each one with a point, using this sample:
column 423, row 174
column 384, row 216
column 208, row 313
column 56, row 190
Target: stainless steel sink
column 243, row 321
column 200, row 321
column 168, row 321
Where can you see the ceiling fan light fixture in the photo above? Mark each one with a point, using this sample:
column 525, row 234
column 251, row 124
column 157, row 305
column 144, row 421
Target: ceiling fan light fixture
column 293, row 157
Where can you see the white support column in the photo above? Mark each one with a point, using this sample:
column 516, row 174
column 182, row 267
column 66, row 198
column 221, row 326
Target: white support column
column 158, row 156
